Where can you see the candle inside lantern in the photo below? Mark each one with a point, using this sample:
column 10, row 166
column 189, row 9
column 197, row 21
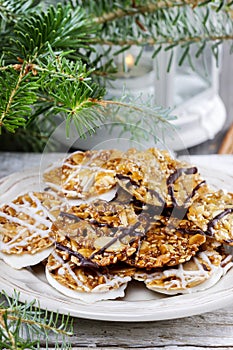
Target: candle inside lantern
column 129, row 61
column 136, row 79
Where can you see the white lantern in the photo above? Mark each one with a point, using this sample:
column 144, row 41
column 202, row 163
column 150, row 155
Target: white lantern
column 191, row 94
column 194, row 96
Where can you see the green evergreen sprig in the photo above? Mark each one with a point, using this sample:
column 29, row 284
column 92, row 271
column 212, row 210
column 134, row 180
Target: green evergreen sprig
column 37, row 45
column 169, row 24
column 26, row 326
column 11, row 9
column 76, row 92
column 55, row 57
column 17, row 95
column 138, row 119
column 59, row 26
column 112, row 10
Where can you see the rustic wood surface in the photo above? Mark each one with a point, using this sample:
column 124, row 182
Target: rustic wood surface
column 213, row 330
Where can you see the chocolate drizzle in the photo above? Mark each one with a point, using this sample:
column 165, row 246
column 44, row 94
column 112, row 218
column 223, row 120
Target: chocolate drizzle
column 135, row 184
column 212, row 223
column 84, row 262
column 124, row 177
column 194, row 191
column 72, row 217
column 91, row 221
column 101, row 224
column 157, row 195
column 178, row 172
column 174, row 176
column 125, row 231
column 188, row 231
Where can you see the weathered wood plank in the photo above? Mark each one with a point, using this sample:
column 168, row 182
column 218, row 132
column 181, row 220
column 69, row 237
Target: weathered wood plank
column 172, row 347
column 160, row 348
column 208, row 331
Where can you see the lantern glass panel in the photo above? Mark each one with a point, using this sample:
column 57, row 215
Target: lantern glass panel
column 192, row 79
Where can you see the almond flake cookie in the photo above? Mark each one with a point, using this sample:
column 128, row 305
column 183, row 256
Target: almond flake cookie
column 167, row 243
column 86, row 282
column 25, row 229
column 154, row 177
column 213, row 213
column 100, row 212
column 90, row 174
column 101, row 243
column 203, row 271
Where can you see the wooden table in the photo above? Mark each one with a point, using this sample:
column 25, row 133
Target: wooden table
column 207, row 331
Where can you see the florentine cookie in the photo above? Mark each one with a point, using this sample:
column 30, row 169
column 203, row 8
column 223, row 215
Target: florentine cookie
column 201, row 272
column 86, row 283
column 25, row 228
column 90, row 173
column 154, row 177
column 100, row 212
column 213, row 213
column 167, row 242
column 102, row 243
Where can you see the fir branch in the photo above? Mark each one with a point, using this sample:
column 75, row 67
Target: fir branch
column 137, row 119
column 27, row 326
column 60, row 67
column 149, row 7
column 11, row 9
column 59, row 26
column 16, row 96
column 172, row 28
column 167, row 41
column 175, row 26
column 77, row 92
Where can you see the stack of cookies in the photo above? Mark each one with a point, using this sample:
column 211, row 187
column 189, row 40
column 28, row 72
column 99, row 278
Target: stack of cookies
column 108, row 217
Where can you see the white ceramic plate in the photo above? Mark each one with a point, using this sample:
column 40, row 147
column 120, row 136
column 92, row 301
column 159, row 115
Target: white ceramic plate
column 139, row 303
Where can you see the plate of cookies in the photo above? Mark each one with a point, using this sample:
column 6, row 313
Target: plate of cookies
column 133, row 235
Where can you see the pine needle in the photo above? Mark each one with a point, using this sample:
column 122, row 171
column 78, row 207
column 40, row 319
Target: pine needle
column 27, row 326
